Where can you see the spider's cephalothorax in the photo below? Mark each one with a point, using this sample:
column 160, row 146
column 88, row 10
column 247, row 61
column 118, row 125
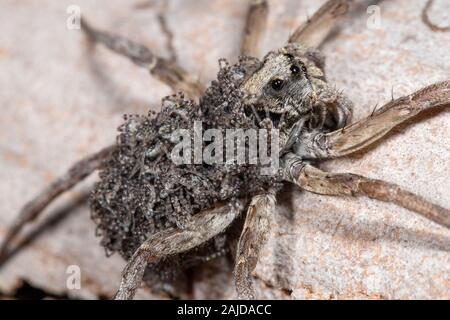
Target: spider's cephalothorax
column 163, row 215
column 291, row 85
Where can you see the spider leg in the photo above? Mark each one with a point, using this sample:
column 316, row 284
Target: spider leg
column 165, row 70
column 314, row 31
column 317, row 181
column 362, row 134
column 32, row 209
column 203, row 226
column 255, row 26
column 426, row 19
column 252, row 239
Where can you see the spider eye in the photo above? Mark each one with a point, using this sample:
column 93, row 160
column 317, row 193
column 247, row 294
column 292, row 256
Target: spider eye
column 295, row 69
column 277, row 84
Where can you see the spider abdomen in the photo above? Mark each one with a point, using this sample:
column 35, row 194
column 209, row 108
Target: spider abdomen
column 142, row 191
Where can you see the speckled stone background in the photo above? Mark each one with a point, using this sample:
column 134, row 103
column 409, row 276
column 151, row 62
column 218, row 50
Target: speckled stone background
column 60, row 100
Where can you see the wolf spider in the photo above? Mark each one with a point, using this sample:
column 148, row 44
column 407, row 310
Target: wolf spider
column 290, row 83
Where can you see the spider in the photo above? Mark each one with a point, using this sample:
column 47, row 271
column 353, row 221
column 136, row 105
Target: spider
column 157, row 214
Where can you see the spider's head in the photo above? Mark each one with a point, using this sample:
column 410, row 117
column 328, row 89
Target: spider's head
column 284, row 82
